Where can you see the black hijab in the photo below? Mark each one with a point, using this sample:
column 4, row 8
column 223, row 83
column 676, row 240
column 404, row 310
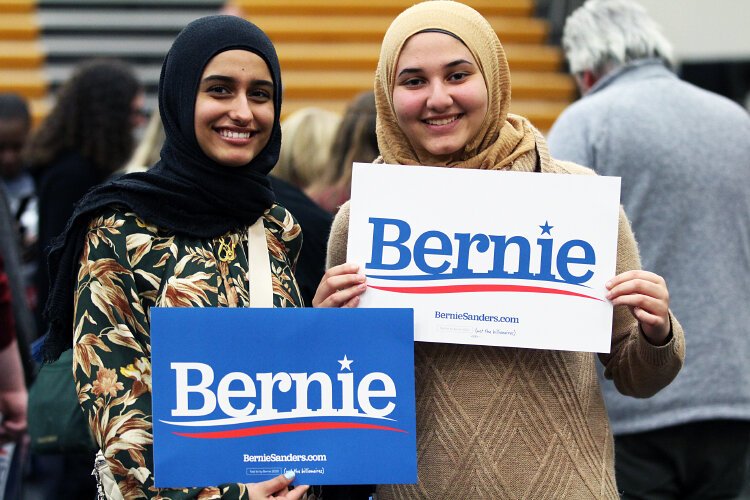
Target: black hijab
column 186, row 191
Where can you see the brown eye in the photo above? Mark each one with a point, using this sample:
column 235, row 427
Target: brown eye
column 412, row 82
column 217, row 89
column 260, row 95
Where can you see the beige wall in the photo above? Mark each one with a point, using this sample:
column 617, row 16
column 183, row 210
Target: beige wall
column 702, row 30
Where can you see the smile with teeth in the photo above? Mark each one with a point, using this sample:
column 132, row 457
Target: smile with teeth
column 234, row 135
column 442, row 121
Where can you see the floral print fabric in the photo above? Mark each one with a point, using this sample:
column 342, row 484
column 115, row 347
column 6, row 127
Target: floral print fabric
column 128, row 266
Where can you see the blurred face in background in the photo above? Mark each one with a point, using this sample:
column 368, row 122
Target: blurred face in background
column 234, row 112
column 13, row 135
column 138, row 112
column 139, row 117
column 440, row 98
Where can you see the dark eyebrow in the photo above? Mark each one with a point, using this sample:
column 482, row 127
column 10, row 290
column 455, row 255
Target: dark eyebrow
column 218, row 78
column 263, row 83
column 457, row 62
column 229, row 79
column 408, row 71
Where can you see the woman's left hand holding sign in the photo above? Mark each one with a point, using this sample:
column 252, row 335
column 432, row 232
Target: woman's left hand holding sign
column 341, row 286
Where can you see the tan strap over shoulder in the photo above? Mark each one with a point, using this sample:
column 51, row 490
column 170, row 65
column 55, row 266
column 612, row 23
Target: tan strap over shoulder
column 259, row 266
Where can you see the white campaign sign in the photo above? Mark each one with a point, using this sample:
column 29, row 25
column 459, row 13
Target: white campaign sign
column 489, row 257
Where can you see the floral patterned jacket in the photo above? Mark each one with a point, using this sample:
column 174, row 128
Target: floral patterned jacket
column 126, row 267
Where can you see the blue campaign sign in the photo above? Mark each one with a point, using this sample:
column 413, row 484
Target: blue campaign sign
column 241, row 395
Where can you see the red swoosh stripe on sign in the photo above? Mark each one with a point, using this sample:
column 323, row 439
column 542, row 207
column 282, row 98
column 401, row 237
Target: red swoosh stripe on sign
column 280, row 428
column 478, row 288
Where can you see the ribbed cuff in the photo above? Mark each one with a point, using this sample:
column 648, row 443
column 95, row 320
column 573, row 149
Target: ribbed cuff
column 659, row 355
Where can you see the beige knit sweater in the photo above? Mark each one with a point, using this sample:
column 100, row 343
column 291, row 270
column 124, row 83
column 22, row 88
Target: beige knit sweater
column 497, row 423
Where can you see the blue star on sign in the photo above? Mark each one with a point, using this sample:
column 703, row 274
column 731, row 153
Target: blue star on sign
column 546, row 228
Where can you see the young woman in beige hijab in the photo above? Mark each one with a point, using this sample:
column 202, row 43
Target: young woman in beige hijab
column 496, row 422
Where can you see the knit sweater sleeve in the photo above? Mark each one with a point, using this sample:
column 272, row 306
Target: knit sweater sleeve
column 637, row 367
column 337, row 242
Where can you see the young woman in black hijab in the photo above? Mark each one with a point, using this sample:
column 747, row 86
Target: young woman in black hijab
column 175, row 236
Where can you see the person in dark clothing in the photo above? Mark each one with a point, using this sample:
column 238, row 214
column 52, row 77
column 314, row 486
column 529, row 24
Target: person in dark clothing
column 15, row 127
column 84, row 139
column 87, row 136
column 10, row 251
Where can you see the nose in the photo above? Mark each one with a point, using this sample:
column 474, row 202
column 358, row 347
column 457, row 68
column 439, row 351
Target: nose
column 241, row 112
column 439, row 98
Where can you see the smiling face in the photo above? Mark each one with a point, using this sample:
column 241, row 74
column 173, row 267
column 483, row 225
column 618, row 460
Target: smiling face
column 439, row 97
column 234, row 112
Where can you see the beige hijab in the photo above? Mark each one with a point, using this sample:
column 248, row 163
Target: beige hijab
column 504, row 140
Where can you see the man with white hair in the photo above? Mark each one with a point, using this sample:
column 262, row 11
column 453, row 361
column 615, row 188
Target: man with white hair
column 684, row 157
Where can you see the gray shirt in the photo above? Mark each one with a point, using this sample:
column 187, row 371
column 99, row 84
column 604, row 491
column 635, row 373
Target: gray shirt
column 684, row 157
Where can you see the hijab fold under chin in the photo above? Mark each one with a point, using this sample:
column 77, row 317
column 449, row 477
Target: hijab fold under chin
column 504, row 140
column 186, row 191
